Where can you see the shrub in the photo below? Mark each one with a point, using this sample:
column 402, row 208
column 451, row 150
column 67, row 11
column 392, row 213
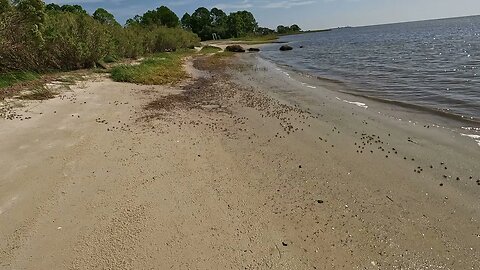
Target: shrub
column 37, row 39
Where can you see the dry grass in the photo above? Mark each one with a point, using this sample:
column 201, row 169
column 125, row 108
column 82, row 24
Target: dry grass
column 216, row 62
column 41, row 93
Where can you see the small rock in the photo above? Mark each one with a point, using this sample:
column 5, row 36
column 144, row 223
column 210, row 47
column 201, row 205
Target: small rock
column 235, row 48
column 286, row 48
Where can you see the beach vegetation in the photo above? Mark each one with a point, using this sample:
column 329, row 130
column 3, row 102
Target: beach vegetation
column 38, row 38
column 12, row 78
column 35, row 37
column 39, row 93
column 210, row 49
column 161, row 68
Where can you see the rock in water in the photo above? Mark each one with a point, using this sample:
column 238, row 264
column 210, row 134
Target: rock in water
column 286, row 48
column 235, row 48
column 253, row 49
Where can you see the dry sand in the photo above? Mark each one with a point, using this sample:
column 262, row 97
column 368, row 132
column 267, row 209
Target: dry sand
column 249, row 167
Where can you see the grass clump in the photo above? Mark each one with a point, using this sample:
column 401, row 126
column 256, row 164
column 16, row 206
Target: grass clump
column 162, row 68
column 213, row 62
column 110, row 59
column 41, row 93
column 210, row 49
column 12, row 78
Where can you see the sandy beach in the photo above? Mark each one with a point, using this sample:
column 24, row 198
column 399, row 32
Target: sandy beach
column 245, row 165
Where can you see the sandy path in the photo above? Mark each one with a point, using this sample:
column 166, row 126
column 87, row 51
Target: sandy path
column 230, row 177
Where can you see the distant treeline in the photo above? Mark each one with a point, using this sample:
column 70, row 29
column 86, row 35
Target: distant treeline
column 215, row 23
column 282, row 30
column 39, row 37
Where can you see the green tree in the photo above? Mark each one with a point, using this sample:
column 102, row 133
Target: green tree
column 74, row 9
column 53, row 7
column 135, row 21
column 281, row 29
column 218, row 20
column 32, row 10
column 104, row 17
column 265, row 31
column 168, row 17
column 295, row 28
column 33, row 13
column 186, row 21
column 241, row 23
column 201, row 23
column 217, row 17
column 161, row 16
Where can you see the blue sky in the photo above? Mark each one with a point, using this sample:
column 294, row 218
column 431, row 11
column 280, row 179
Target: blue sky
column 309, row 14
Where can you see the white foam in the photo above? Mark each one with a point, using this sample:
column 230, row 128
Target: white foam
column 359, row 104
column 471, row 128
column 473, row 136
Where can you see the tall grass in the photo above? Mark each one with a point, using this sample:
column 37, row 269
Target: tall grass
column 12, row 78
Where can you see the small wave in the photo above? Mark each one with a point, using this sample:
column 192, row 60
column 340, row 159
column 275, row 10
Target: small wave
column 359, row 104
column 471, row 129
column 473, row 136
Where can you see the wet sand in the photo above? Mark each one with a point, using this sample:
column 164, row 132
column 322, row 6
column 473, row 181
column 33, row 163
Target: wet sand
column 243, row 167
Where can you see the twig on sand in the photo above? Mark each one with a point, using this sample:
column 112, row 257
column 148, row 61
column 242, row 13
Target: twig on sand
column 279, row 252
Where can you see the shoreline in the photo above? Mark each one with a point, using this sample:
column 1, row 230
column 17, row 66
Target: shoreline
column 237, row 167
column 409, row 88
column 444, row 118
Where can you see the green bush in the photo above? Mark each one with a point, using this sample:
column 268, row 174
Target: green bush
column 110, row 59
column 74, row 40
column 37, row 39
